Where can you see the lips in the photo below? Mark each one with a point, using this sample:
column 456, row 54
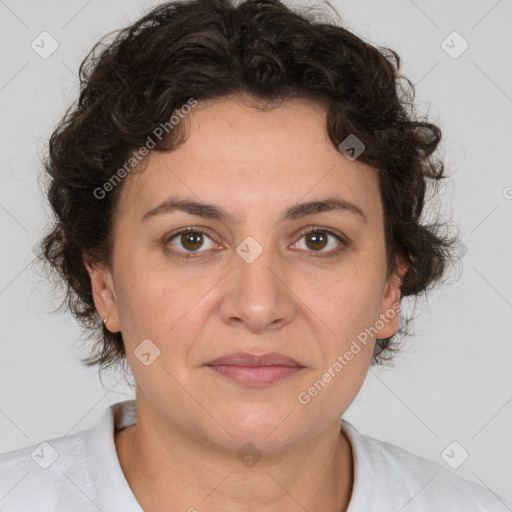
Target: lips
column 255, row 370
column 247, row 359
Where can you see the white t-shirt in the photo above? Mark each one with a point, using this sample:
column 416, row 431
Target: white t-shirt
column 81, row 472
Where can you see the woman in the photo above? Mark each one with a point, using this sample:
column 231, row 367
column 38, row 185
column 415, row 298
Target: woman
column 238, row 194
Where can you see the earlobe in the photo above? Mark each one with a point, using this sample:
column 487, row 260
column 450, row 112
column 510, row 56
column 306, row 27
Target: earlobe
column 103, row 294
column 390, row 308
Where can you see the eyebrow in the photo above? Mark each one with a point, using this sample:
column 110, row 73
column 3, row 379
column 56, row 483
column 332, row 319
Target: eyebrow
column 210, row 211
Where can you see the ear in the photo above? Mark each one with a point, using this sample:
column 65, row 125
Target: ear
column 390, row 306
column 103, row 292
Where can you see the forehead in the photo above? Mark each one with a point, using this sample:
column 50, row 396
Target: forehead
column 246, row 158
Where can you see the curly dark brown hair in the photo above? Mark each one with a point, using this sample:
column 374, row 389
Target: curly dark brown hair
column 203, row 49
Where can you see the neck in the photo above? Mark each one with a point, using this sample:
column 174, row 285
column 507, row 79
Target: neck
column 167, row 467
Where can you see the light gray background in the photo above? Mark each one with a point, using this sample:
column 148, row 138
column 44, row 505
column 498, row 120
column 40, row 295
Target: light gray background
column 453, row 382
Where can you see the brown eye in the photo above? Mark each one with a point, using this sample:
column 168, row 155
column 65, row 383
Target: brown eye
column 317, row 239
column 190, row 240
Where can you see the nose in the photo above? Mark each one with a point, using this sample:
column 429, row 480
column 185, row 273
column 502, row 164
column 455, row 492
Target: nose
column 259, row 294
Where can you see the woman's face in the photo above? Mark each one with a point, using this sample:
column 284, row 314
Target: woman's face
column 255, row 282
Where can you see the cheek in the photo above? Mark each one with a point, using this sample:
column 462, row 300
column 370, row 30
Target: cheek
column 158, row 303
column 347, row 301
column 348, row 306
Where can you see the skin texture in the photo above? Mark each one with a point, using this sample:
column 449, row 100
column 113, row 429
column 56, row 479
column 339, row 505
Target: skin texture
column 182, row 453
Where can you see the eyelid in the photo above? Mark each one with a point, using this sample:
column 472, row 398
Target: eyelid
column 344, row 242
column 189, row 229
column 193, row 229
column 324, row 229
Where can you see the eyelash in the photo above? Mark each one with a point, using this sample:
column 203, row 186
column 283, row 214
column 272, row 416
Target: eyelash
column 315, row 229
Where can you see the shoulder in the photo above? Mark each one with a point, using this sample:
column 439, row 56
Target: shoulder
column 37, row 477
column 388, row 474
column 74, row 472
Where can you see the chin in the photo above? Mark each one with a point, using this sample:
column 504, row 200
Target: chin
column 266, row 427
